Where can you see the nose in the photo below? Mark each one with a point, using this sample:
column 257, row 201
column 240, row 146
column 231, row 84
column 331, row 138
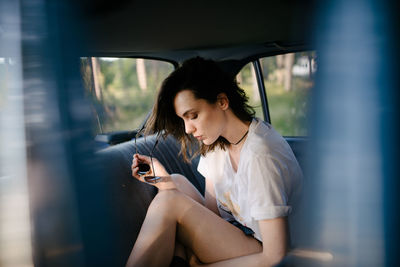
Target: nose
column 189, row 128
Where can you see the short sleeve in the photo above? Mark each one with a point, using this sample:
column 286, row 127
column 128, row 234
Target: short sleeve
column 268, row 193
column 211, row 165
column 202, row 167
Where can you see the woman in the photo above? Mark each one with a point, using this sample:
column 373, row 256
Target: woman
column 251, row 176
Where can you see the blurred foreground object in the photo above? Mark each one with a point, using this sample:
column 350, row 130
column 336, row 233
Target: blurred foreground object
column 349, row 214
column 46, row 147
column 15, row 228
column 54, row 205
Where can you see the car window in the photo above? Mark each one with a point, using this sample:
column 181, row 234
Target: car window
column 3, row 79
column 289, row 79
column 122, row 90
column 246, row 79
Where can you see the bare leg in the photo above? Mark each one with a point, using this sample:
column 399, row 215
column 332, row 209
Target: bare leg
column 185, row 186
column 210, row 237
column 156, row 241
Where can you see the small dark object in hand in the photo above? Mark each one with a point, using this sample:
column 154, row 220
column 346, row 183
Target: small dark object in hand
column 143, row 168
column 152, row 179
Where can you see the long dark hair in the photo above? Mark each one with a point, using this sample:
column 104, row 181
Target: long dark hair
column 206, row 80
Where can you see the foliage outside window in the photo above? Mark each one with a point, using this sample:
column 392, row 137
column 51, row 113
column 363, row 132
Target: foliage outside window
column 122, row 90
column 246, row 79
column 288, row 80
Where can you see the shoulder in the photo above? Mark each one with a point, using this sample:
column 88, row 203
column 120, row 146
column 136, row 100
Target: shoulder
column 264, row 139
column 212, row 156
column 210, row 165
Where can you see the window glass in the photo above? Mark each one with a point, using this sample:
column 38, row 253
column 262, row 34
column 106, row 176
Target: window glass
column 288, row 80
column 7, row 68
column 3, row 80
column 246, row 79
column 122, row 90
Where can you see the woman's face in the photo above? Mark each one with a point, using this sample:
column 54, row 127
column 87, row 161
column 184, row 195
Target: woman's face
column 206, row 122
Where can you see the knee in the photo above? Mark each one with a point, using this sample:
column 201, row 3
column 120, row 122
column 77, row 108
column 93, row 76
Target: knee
column 163, row 205
column 186, row 187
column 165, row 199
column 178, row 178
column 169, row 203
column 167, row 195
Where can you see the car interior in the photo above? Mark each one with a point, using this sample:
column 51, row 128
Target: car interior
column 178, row 34
column 89, row 71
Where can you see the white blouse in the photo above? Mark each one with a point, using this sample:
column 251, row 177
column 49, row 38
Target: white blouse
column 267, row 182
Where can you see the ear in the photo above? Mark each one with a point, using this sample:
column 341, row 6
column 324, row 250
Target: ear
column 223, row 101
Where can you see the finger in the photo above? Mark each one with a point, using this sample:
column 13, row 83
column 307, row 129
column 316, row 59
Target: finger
column 133, row 168
column 135, row 156
column 134, row 172
column 143, row 157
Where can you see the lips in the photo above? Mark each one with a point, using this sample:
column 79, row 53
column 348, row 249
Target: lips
column 199, row 137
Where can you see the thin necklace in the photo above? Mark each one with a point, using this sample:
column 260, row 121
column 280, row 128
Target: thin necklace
column 240, row 138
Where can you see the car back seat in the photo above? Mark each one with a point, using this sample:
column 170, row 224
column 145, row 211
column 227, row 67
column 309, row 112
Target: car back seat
column 129, row 198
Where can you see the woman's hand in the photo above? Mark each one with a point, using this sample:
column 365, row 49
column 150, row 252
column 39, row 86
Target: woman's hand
column 159, row 168
column 165, row 181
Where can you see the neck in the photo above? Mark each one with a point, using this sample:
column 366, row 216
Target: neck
column 235, row 129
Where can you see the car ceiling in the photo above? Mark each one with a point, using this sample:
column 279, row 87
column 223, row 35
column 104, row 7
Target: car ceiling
column 176, row 30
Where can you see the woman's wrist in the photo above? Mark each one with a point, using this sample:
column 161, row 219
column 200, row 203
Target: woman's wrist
column 165, row 183
column 159, row 168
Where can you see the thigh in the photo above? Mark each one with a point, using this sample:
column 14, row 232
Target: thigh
column 209, row 236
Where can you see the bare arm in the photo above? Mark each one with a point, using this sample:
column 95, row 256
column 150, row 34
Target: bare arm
column 210, row 199
column 274, row 234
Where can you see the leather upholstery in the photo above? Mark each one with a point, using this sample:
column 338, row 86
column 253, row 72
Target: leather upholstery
column 128, row 198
